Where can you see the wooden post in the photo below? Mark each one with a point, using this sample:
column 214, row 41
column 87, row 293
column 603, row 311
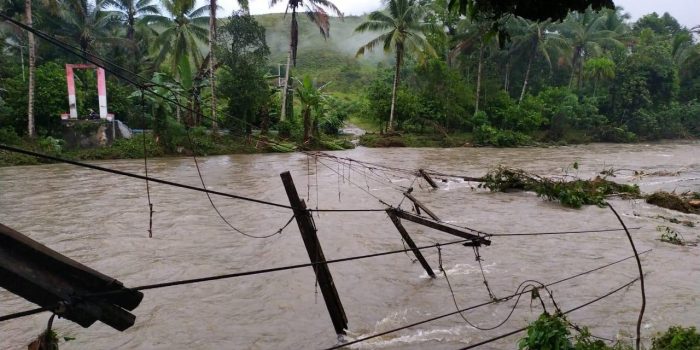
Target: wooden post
column 427, row 178
column 411, row 244
column 313, row 247
column 440, row 227
column 420, row 205
column 49, row 279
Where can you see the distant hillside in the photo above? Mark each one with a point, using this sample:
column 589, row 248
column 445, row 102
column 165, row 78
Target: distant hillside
column 343, row 37
column 326, row 60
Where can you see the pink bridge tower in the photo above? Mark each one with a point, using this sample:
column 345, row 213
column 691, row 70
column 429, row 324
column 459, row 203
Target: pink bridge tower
column 101, row 91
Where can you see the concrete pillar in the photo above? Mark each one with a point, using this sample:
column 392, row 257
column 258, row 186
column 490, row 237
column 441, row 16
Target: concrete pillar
column 102, row 92
column 70, row 81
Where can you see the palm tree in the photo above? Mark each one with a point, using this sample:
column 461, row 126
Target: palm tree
column 32, row 68
column 312, row 99
column 84, row 23
column 534, row 39
column 470, row 34
column 131, row 10
column 212, row 38
column 587, row 37
column 601, row 68
column 212, row 58
column 183, row 29
column 404, row 33
column 317, row 12
column 616, row 21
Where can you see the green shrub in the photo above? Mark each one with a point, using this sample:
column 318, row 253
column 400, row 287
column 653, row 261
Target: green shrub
column 50, row 145
column 289, row 129
column 200, row 141
column 547, row 333
column 551, row 332
column 487, row 135
column 171, row 134
column 677, row 338
column 616, row 135
column 9, row 137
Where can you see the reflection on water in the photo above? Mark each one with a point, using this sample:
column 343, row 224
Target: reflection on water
column 101, row 220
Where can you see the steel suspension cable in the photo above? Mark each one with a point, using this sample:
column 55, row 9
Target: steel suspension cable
column 482, row 304
column 137, row 176
column 491, row 340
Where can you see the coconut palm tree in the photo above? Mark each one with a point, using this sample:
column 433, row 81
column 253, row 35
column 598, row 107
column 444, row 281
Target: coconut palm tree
column 131, row 10
column 84, row 22
column 534, row 39
column 317, row 12
column 403, row 32
column 130, row 13
column 15, row 8
column 183, row 30
column 587, row 36
column 473, row 34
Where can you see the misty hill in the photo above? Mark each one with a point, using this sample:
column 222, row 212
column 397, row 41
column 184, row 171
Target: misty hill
column 326, row 60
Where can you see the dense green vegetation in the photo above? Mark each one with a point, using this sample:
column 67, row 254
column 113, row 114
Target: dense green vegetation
column 442, row 80
column 571, row 193
column 554, row 332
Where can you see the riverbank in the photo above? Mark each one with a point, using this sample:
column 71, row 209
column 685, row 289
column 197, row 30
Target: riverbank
column 353, row 134
column 134, row 148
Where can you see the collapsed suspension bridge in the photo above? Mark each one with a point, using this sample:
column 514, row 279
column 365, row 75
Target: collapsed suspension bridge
column 84, row 296
column 469, row 236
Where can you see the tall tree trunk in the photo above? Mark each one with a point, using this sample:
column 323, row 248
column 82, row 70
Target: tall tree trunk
column 574, row 65
column 506, row 83
column 306, row 112
column 580, row 72
column 527, row 76
column 32, row 68
column 394, row 90
column 283, row 109
column 595, row 86
column 130, row 30
column 478, row 76
column 293, row 42
column 212, row 59
column 130, row 35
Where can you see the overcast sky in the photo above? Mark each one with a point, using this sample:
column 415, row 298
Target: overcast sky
column 686, row 11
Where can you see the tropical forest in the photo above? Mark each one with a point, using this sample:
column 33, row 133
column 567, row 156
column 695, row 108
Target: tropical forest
column 418, row 73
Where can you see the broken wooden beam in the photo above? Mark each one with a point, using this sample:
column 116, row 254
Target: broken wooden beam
column 313, row 248
column 407, row 238
column 62, row 285
column 419, row 205
column 440, row 227
column 427, row 178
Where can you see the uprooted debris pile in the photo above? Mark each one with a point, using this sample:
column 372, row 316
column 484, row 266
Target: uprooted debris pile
column 686, row 202
column 574, row 194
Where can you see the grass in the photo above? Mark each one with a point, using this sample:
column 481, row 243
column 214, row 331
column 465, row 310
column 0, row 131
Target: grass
column 362, row 123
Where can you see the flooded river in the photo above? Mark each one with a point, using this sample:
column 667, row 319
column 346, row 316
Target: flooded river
column 101, row 220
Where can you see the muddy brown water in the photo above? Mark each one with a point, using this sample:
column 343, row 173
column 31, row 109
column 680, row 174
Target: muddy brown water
column 101, row 220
